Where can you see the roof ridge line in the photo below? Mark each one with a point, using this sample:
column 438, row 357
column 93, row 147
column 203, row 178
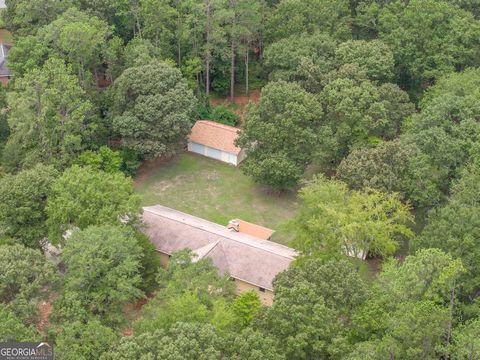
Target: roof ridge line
column 231, row 238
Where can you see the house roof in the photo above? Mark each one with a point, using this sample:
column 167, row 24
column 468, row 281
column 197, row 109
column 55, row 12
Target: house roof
column 215, row 135
column 242, row 256
column 254, row 229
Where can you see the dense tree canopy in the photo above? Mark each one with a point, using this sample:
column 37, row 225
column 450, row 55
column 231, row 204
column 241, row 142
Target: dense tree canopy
column 278, row 134
column 23, row 199
column 26, row 278
column 83, row 196
column 153, row 109
column 334, row 220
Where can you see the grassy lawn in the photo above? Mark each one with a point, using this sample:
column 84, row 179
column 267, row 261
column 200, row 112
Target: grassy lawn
column 214, row 191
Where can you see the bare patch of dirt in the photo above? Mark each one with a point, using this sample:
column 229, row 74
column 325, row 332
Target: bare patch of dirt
column 149, row 165
column 167, row 184
column 133, row 311
column 44, row 309
column 375, row 264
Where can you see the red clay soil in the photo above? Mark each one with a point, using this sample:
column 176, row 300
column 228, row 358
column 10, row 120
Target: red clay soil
column 45, row 309
column 133, row 312
column 253, row 96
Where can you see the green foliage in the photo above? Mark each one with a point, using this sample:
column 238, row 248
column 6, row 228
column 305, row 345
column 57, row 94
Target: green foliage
column 153, row 109
column 294, row 17
column 83, row 196
column 150, row 263
column 78, row 38
column 285, row 58
column 12, row 329
column 25, row 17
column 246, row 306
column 466, row 341
column 219, row 113
column 23, row 199
column 333, row 220
column 79, row 341
column 447, row 127
column 26, row 278
column 356, row 109
column 428, row 38
column 182, row 341
column 49, row 117
column 278, row 135
column 28, row 54
column 188, row 292
column 392, row 166
column 455, row 228
column 374, row 57
column 103, row 269
column 104, row 159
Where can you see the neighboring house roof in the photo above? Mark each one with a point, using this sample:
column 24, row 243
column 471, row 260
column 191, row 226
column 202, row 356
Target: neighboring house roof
column 4, row 49
column 251, row 229
column 215, row 135
column 242, row 256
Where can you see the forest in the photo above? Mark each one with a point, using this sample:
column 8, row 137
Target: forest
column 368, row 113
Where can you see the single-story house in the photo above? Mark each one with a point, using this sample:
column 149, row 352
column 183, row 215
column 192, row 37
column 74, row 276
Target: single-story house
column 5, row 73
column 255, row 230
column 251, row 262
column 216, row 141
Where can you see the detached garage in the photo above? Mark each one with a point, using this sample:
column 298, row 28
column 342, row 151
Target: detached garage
column 216, row 141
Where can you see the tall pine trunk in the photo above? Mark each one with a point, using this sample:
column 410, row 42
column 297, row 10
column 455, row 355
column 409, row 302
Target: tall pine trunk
column 207, row 45
column 232, row 70
column 246, row 69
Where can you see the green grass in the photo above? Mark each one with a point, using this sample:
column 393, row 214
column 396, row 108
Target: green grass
column 215, row 191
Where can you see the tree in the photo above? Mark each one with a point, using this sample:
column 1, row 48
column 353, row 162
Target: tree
column 105, row 159
column 153, row 109
column 103, row 269
column 392, row 166
column 150, row 263
column 294, row 17
column 411, row 308
column 358, row 112
column 78, row 38
column 255, row 345
column 28, row 54
column 24, row 17
column 466, row 341
column 78, row 341
column 278, row 134
column 246, row 306
column 455, row 228
column 335, row 220
column 12, row 329
column 447, row 127
column 182, row 341
column 374, row 57
column 26, row 278
column 49, row 117
column 284, row 58
column 82, row 197
column 188, row 292
column 429, row 39
column 23, row 198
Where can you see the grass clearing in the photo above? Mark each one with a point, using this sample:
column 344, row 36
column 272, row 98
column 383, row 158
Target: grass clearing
column 214, row 191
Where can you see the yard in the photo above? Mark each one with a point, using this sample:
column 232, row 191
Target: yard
column 214, row 191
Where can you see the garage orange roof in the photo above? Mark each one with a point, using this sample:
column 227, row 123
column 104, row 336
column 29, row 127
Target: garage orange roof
column 215, row 135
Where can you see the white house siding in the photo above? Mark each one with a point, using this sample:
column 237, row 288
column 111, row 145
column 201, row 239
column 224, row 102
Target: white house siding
column 212, row 153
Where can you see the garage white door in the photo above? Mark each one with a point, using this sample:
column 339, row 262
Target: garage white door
column 214, row 153
column 197, row 148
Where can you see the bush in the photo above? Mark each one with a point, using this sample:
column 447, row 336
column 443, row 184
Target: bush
column 220, row 114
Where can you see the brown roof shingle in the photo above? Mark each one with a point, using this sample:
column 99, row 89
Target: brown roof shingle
column 215, row 135
column 242, row 256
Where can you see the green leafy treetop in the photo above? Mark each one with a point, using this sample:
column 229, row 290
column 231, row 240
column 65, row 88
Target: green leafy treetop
column 83, row 196
column 153, row 109
column 334, row 220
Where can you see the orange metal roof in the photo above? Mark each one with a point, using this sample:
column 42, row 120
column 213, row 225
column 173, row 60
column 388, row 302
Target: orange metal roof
column 254, row 230
column 215, row 135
